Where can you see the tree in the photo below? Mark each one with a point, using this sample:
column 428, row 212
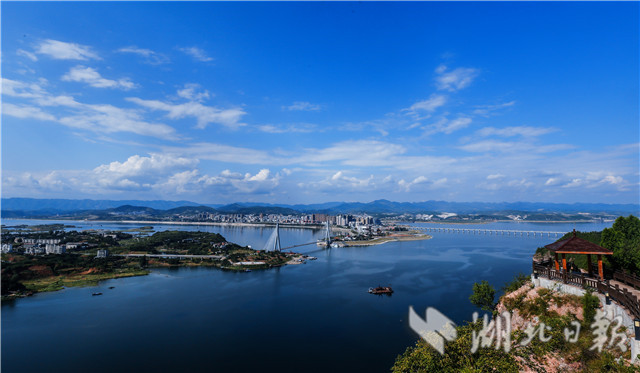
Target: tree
column 483, row 295
column 457, row 357
column 589, row 304
column 623, row 238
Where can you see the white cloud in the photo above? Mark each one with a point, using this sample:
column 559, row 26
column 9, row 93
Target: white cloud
column 302, row 106
column 193, row 92
column 150, row 56
column 65, row 51
column 353, row 153
column 101, row 118
column 551, row 181
column 90, row 76
column 291, row 128
column 524, row 131
column 204, row 115
column 456, row 79
column 134, row 166
column 495, row 176
column 447, row 126
column 406, row 186
column 158, row 174
column 26, row 112
column 487, row 110
column 613, row 180
column 227, row 153
column 429, row 105
column 197, row 53
column 227, row 182
column 522, row 183
column 29, row 55
column 486, row 146
column 574, row 183
column 340, row 181
column 19, row 89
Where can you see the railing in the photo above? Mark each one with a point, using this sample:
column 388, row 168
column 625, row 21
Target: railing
column 626, row 278
column 620, row 295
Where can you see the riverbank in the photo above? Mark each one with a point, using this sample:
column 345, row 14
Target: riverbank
column 59, row 282
column 394, row 238
column 197, row 223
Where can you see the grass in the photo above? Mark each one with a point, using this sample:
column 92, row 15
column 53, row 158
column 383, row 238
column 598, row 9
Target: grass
column 56, row 283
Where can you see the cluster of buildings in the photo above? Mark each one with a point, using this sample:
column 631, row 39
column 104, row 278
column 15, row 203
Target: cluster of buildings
column 40, row 246
column 345, row 220
column 36, row 249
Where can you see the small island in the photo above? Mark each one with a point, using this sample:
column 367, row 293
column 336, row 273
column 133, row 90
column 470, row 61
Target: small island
column 39, row 259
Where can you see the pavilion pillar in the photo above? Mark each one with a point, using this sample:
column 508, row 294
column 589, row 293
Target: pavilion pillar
column 589, row 263
column 557, row 264
column 564, row 262
column 600, row 271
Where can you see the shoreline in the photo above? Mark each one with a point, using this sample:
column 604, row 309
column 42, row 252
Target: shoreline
column 383, row 240
column 160, row 222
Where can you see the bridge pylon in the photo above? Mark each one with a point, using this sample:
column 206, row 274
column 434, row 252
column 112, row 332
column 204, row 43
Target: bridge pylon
column 273, row 243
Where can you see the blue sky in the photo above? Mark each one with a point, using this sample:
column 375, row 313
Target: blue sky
column 312, row 102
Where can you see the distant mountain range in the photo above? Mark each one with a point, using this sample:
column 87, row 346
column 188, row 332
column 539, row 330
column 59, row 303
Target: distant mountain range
column 25, row 207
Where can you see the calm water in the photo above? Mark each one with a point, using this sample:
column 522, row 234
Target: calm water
column 316, row 317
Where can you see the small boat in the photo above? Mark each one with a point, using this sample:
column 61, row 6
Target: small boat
column 247, row 270
column 96, row 293
column 111, row 287
column 381, row 290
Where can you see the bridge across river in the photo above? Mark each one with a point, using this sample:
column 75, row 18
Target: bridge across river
column 503, row 232
column 172, row 256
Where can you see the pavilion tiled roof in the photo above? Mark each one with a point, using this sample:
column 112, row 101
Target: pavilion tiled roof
column 576, row 245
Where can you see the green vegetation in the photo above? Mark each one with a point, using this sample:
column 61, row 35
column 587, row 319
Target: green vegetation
column 580, row 261
column 623, row 238
column 29, row 274
column 483, row 295
column 178, row 242
column 26, row 274
column 457, row 357
column 589, row 304
column 515, row 284
column 555, row 310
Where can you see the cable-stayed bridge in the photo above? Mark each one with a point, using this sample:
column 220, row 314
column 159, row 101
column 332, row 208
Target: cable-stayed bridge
column 273, row 243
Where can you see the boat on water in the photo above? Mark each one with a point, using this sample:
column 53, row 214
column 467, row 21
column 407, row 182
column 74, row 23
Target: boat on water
column 96, row 293
column 381, row 290
column 247, row 270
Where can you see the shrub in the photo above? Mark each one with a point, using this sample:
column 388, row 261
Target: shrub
column 589, row 304
column 518, row 281
column 483, row 295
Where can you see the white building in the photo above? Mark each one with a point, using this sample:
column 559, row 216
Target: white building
column 43, row 241
column 33, row 250
column 54, row 249
column 102, row 254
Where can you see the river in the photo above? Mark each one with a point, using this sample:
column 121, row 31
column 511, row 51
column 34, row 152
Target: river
column 316, row 317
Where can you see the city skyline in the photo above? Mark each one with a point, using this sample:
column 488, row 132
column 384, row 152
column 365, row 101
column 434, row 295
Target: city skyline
column 316, row 102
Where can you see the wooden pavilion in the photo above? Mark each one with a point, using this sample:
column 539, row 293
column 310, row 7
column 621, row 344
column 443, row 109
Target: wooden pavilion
column 576, row 245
